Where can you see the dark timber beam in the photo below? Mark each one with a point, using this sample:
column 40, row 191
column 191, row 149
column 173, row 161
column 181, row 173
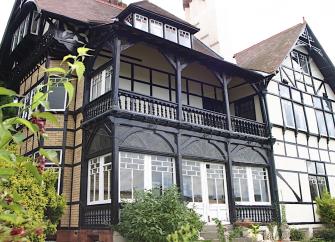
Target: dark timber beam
column 116, row 72
column 225, row 80
column 115, row 171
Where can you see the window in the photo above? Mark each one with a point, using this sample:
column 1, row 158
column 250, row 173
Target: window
column 99, row 178
column 251, row 185
column 35, row 23
column 300, row 116
column 101, row 83
column 156, row 27
column 55, row 167
column 192, row 189
column 330, row 124
column 215, row 183
column 288, row 113
column 171, row 33
column 284, row 91
column 139, row 172
column 245, row 108
column 20, row 32
column 321, row 122
column 301, row 60
column 184, row 38
column 27, row 101
column 312, row 122
column 57, row 96
column 141, row 22
column 317, row 178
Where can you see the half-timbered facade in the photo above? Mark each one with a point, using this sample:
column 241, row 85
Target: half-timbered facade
column 157, row 107
column 300, row 94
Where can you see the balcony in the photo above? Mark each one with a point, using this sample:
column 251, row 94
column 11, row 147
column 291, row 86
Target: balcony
column 257, row 214
column 134, row 103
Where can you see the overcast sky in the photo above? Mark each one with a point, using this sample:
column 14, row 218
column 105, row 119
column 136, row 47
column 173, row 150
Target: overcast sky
column 252, row 21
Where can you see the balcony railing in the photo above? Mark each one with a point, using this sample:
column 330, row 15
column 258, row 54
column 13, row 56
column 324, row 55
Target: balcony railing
column 97, row 215
column 258, row 214
column 146, row 105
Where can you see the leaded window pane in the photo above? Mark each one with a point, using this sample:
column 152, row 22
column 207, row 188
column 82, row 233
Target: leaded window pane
column 317, row 102
column 57, row 97
column 288, row 113
column 330, row 124
column 187, row 188
column 260, row 180
column 320, row 168
column 321, row 122
column 296, row 95
column 300, row 117
column 313, row 187
column 284, row 91
column 240, row 179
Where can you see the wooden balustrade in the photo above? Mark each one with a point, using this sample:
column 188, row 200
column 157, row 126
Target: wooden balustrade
column 246, row 126
column 146, row 105
column 97, row 215
column 258, row 214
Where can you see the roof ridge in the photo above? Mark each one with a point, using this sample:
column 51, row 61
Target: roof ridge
column 110, row 4
column 272, row 36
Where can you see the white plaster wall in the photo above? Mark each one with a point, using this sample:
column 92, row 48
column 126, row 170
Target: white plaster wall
column 299, row 213
column 275, row 113
column 290, row 164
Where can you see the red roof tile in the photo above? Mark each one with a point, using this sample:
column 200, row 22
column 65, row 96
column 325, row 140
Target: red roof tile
column 267, row 55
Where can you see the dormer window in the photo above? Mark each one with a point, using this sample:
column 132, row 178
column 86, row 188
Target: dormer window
column 141, row 22
column 301, row 60
column 171, row 33
column 184, row 38
column 156, row 27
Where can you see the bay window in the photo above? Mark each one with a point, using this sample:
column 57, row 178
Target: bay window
column 101, row 83
column 288, row 113
column 251, row 185
column 139, row 172
column 317, row 178
column 99, row 177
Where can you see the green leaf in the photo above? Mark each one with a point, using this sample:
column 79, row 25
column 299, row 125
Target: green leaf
column 69, row 89
column 33, row 171
column 67, row 57
column 11, row 219
column 9, row 105
column 55, row 70
column 47, row 116
column 18, row 137
column 82, row 51
column 6, row 172
column 5, row 136
column 38, row 97
column 7, row 156
column 7, row 92
column 32, row 127
column 79, row 68
column 49, row 155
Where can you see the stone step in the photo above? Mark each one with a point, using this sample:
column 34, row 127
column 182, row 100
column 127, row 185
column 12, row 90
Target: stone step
column 209, row 228
column 209, row 235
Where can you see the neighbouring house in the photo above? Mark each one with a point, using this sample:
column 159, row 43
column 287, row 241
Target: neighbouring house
column 158, row 107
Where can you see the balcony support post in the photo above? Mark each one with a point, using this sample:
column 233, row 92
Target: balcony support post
column 224, row 80
column 116, row 72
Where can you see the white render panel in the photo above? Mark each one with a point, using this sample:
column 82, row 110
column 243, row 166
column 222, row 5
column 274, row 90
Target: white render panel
column 332, row 156
column 279, row 148
column 330, row 93
column 258, row 111
column 277, row 133
column 314, row 154
column 313, row 141
column 293, row 180
column 324, row 156
column 285, row 193
column 275, row 117
column 305, row 191
column 273, row 87
column 330, row 170
column 301, row 139
column 331, row 144
column 299, row 213
column 315, row 70
column 303, row 152
column 289, row 136
column 290, row 164
column 323, row 143
column 291, row 150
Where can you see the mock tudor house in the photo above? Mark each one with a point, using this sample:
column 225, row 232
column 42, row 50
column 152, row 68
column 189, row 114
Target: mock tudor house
column 300, row 95
column 158, row 107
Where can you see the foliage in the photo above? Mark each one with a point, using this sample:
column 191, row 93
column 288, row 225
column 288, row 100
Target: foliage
column 185, row 234
column 41, row 202
column 21, row 179
column 326, row 209
column 297, row 235
column 236, row 232
column 152, row 217
column 221, row 230
column 255, row 229
column 325, row 234
column 272, row 230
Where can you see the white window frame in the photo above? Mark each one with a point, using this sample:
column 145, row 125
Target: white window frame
column 147, row 175
column 53, row 166
column 157, row 26
column 103, row 80
column 169, row 35
column 141, row 22
column 101, row 199
column 251, row 188
column 33, row 21
column 184, row 38
column 65, row 98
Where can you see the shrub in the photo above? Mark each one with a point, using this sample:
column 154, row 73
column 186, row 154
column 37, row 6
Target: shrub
column 152, row 217
column 184, row 234
column 297, row 235
column 326, row 209
column 220, row 229
column 236, row 232
column 325, row 234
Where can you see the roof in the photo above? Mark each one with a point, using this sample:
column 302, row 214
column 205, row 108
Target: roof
column 82, row 10
column 267, row 55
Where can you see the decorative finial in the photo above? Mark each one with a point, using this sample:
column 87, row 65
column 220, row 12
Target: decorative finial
column 303, row 19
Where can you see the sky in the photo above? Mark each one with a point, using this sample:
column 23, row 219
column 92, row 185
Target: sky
column 252, row 21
